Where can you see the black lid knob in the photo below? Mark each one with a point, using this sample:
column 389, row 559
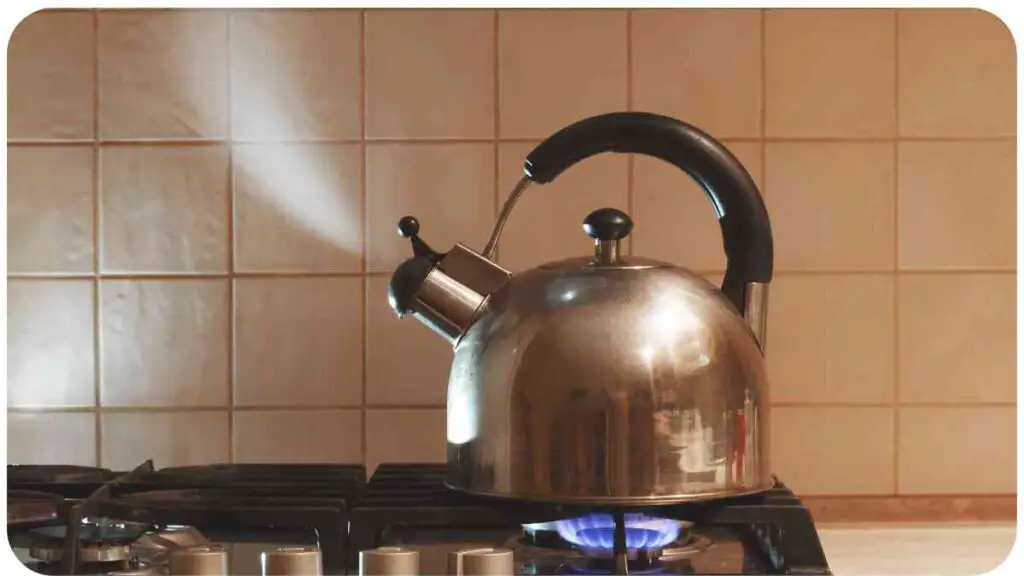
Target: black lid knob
column 409, row 227
column 607, row 224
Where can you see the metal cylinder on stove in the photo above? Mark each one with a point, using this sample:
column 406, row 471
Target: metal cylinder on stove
column 292, row 561
column 389, row 561
column 206, row 560
column 480, row 562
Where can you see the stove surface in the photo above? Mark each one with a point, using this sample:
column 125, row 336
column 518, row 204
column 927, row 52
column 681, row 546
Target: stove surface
column 252, row 509
column 408, row 506
column 720, row 552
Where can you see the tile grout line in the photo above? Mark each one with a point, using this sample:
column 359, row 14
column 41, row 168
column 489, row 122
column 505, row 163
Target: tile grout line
column 97, row 302
column 364, row 212
column 124, row 142
column 429, row 407
column 631, row 158
column 896, row 261
column 171, row 277
column 496, row 46
column 232, row 245
column 764, row 105
column 226, row 408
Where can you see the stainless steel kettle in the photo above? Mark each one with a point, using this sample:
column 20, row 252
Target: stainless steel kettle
column 606, row 379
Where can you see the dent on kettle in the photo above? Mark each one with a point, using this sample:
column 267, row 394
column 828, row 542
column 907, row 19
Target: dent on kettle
column 655, row 392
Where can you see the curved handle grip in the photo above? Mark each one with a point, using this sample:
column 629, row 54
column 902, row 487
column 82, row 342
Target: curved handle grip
column 746, row 231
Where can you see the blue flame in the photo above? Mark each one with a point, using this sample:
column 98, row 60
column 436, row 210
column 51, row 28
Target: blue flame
column 597, row 531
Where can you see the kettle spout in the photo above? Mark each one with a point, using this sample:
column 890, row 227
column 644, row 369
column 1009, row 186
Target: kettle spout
column 445, row 291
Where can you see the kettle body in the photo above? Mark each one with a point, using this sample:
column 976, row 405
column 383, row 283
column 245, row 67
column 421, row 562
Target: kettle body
column 606, row 379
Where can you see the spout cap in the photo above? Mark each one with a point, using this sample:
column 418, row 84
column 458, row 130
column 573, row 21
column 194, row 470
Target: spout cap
column 406, row 282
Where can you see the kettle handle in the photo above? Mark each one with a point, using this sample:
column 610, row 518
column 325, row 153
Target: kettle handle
column 746, row 230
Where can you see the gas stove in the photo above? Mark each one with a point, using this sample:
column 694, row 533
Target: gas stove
column 193, row 520
column 327, row 519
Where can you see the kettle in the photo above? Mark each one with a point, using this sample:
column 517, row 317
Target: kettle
column 605, row 379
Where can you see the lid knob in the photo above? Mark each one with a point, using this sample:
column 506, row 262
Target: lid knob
column 607, row 226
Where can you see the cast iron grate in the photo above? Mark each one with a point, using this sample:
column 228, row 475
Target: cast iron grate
column 774, row 524
column 228, row 503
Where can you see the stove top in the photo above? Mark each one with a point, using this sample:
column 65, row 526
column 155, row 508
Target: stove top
column 304, row 519
column 252, row 507
column 407, row 506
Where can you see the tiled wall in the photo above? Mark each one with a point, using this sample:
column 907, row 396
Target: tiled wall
column 202, row 209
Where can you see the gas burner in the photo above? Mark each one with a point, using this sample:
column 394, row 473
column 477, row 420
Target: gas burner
column 579, row 545
column 600, row 567
column 101, row 541
column 645, row 535
column 30, row 507
column 39, row 473
column 155, row 547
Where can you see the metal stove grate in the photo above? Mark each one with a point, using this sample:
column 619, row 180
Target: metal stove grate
column 774, row 524
column 229, row 503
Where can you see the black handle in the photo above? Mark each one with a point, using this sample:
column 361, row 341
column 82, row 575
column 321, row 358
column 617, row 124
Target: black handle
column 746, row 231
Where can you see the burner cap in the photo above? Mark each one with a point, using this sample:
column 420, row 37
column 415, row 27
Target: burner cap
column 44, row 473
column 28, row 507
column 102, row 541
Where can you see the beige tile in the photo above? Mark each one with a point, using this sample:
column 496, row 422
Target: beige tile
column 49, row 209
column 295, row 74
column 430, row 74
column 164, row 208
column 674, row 220
column 833, row 451
column 168, row 438
column 421, row 377
column 50, row 75
column 164, row 342
column 52, row 438
column 832, row 205
column 298, row 342
column 50, row 355
column 965, row 87
column 701, row 66
column 312, row 437
column 830, row 73
column 958, row 450
column 559, row 66
column 957, row 205
column 830, row 339
column 958, row 339
column 163, row 73
column 448, row 187
column 298, row 207
column 399, row 436
column 547, row 223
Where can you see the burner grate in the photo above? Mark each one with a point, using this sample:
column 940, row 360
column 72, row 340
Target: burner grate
column 233, row 503
column 774, row 524
column 28, row 507
column 56, row 474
